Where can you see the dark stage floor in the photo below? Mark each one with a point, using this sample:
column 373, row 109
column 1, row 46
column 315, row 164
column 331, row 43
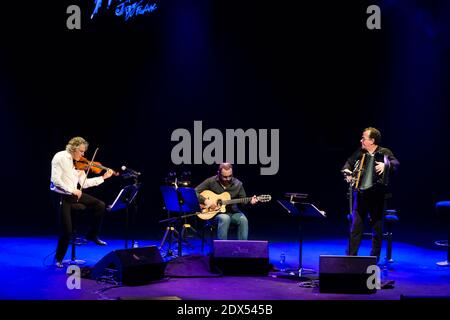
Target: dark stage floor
column 27, row 272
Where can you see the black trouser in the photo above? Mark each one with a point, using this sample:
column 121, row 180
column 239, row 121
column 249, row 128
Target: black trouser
column 65, row 233
column 365, row 202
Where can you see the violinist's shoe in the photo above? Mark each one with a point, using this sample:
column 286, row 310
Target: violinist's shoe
column 59, row 264
column 97, row 241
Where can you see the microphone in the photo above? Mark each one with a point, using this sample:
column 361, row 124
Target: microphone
column 134, row 172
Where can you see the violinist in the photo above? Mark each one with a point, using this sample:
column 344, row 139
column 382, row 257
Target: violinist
column 65, row 182
column 373, row 165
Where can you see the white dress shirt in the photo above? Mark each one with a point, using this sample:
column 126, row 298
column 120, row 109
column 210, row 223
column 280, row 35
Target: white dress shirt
column 65, row 178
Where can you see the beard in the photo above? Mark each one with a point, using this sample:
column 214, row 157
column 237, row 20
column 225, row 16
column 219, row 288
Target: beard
column 226, row 183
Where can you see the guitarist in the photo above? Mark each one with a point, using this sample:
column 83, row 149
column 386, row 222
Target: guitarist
column 225, row 182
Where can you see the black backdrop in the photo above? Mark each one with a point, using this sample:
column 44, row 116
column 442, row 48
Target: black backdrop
column 310, row 69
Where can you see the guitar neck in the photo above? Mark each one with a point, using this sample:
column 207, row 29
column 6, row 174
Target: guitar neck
column 240, row 200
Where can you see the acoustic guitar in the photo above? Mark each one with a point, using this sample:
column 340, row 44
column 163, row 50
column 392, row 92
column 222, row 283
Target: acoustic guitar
column 222, row 200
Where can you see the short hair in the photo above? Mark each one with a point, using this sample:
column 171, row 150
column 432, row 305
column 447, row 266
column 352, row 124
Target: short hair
column 224, row 166
column 374, row 134
column 75, row 143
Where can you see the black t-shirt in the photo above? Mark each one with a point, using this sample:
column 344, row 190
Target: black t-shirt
column 235, row 189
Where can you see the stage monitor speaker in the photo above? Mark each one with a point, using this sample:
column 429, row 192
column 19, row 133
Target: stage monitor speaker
column 135, row 266
column 240, row 257
column 345, row 274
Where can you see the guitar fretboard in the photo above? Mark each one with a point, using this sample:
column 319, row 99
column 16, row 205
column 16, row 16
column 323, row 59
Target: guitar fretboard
column 240, row 200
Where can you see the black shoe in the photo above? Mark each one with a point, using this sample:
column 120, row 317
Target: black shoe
column 97, row 241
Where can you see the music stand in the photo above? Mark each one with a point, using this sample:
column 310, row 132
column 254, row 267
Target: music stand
column 184, row 201
column 297, row 208
column 125, row 199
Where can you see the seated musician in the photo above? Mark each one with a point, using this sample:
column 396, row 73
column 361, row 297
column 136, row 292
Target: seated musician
column 64, row 183
column 225, row 182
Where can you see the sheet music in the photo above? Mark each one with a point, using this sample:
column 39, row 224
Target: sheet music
column 128, row 194
column 180, row 199
column 115, row 203
column 302, row 209
column 310, row 211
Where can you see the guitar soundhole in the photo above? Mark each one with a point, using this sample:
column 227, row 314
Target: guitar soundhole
column 219, row 202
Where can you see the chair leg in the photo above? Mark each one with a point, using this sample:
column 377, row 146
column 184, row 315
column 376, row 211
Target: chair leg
column 448, row 253
column 211, row 236
column 73, row 256
column 73, row 259
column 203, row 239
column 448, row 241
column 389, row 248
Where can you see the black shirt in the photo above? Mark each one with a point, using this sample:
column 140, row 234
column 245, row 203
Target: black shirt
column 235, row 189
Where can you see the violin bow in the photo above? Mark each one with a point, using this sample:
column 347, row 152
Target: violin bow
column 89, row 168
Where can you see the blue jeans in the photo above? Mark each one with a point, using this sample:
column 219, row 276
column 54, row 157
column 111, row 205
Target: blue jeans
column 224, row 220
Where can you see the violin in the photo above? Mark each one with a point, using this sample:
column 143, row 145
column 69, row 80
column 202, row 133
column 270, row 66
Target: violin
column 83, row 164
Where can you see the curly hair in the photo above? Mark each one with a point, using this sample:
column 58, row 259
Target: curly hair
column 75, row 143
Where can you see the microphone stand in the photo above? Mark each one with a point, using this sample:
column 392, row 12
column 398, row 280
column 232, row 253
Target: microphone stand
column 133, row 204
